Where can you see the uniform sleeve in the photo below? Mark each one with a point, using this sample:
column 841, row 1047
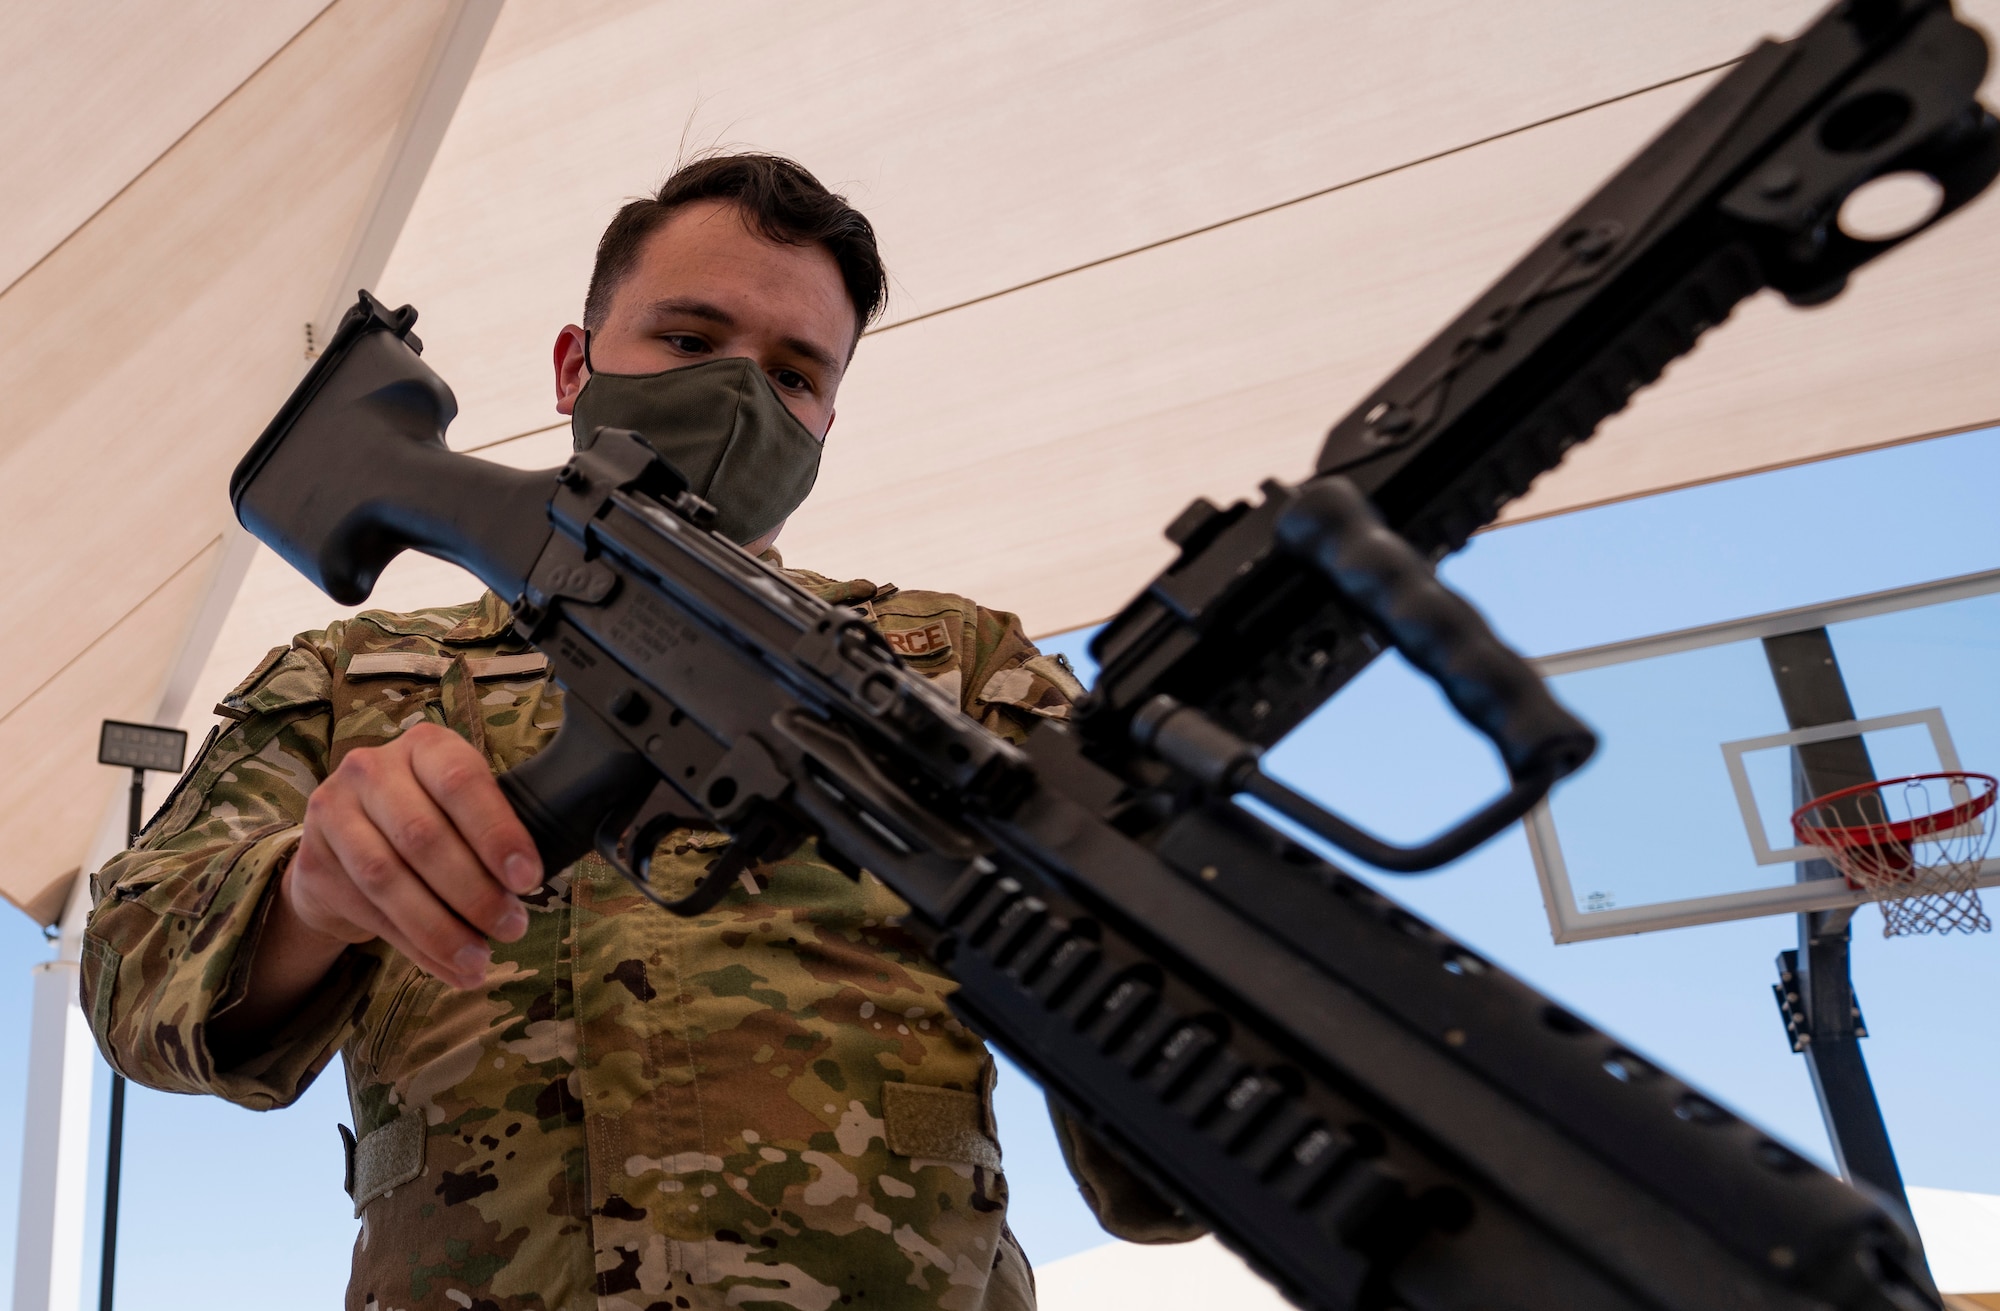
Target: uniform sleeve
column 1124, row 1204
column 176, row 920
column 1011, row 684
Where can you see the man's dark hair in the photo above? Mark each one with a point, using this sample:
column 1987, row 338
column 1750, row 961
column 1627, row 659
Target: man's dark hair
column 780, row 201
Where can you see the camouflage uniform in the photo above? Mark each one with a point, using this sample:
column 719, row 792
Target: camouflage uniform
column 766, row 1105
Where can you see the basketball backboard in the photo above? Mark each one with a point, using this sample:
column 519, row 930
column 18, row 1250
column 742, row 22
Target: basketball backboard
column 1683, row 817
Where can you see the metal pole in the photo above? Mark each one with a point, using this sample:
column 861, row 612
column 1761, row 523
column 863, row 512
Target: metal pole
column 1815, row 988
column 114, row 1147
column 113, row 1152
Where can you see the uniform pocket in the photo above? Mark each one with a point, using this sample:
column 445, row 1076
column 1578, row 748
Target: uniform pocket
column 411, row 998
column 289, row 677
column 186, row 887
column 178, row 810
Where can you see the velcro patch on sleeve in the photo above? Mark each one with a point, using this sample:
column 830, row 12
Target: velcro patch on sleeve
column 1009, row 687
column 937, row 1124
column 1040, row 686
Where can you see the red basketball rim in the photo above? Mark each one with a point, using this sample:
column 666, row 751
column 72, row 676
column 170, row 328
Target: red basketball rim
column 1903, row 832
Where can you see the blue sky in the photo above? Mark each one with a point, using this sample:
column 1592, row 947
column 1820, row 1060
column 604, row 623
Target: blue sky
column 223, row 1205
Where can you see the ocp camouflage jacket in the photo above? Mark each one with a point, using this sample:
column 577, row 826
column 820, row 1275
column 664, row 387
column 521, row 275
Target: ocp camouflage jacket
column 766, row 1105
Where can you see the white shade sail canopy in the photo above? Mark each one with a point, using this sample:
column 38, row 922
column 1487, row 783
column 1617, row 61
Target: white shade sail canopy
column 1141, row 251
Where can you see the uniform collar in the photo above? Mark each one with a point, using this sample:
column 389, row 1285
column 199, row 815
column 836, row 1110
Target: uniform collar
column 484, row 620
column 833, row 591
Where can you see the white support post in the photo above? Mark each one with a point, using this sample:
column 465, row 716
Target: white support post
column 447, row 69
column 55, row 1160
column 55, row 1165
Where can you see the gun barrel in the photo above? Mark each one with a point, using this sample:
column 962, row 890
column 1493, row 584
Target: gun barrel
column 1741, row 192
column 1364, row 1107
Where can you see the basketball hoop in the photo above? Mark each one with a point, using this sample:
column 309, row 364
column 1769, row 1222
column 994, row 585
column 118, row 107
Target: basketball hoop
column 1913, row 844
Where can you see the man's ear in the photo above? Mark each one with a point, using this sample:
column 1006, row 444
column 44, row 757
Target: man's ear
column 571, row 372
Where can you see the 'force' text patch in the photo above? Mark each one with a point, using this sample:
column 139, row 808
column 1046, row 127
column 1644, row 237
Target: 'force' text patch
column 916, row 643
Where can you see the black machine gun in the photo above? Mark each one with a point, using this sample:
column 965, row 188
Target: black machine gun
column 1369, row 1112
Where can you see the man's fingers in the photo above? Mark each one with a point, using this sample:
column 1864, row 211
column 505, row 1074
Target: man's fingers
column 457, row 778
column 326, row 898
column 431, row 933
column 322, row 895
column 465, row 979
column 427, row 842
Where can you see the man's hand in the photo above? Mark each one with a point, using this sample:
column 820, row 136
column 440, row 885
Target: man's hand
column 412, row 842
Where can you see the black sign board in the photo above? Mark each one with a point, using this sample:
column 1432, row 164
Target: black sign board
column 141, row 746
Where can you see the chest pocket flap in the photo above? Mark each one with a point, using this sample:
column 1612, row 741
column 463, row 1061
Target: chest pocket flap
column 286, row 677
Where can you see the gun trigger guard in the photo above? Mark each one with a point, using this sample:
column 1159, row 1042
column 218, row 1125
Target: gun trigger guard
column 626, row 837
column 769, row 834
column 766, row 832
column 713, row 886
column 628, row 846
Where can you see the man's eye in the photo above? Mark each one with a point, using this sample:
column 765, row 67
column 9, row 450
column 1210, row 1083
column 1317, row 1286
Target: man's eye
column 791, row 380
column 682, row 341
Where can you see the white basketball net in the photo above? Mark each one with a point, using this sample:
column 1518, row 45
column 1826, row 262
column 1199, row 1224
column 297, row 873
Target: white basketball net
column 1914, row 845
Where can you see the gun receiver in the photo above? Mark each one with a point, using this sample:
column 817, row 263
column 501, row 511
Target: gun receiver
column 1372, row 1114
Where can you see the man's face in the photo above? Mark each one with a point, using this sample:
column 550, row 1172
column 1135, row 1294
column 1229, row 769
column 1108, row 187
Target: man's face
column 706, row 287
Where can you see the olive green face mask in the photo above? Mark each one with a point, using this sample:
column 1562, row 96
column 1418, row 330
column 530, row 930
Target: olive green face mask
column 722, row 426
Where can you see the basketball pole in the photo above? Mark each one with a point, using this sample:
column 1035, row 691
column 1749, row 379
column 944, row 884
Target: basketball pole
column 138, row 747
column 1815, row 984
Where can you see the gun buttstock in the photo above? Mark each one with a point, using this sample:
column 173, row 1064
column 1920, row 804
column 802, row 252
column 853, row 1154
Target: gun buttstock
column 354, row 470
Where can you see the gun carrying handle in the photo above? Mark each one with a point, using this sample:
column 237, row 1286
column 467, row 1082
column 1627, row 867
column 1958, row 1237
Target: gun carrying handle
column 1335, row 527
column 1217, row 758
column 565, row 792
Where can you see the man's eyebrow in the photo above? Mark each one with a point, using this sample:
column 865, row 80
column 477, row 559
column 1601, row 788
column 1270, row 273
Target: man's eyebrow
column 695, row 309
column 817, row 354
column 701, row 309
